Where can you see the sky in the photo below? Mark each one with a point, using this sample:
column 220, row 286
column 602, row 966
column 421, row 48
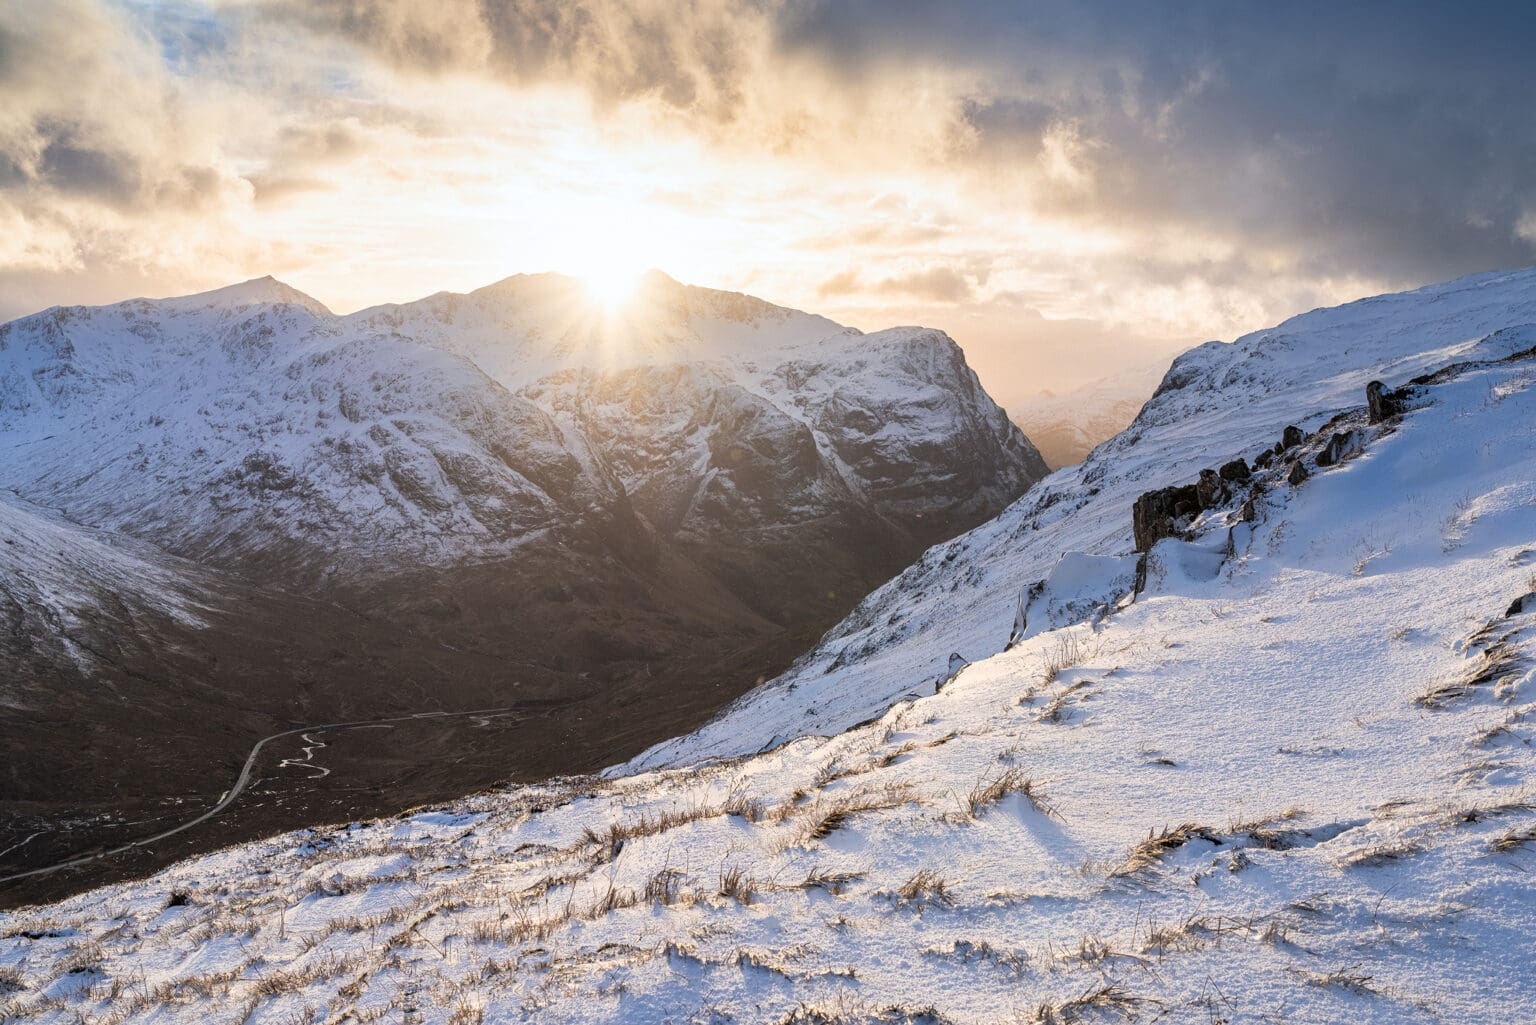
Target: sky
column 1067, row 188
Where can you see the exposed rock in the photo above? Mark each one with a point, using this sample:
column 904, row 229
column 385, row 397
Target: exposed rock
column 1263, row 459
column 1211, row 491
column 1155, row 513
column 1298, row 473
column 1248, row 512
column 1341, row 446
column 1291, row 437
column 1523, row 604
column 1081, row 588
column 1236, row 470
column 957, row 662
column 1383, row 402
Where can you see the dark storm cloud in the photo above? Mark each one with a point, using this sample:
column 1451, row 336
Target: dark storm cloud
column 1389, row 137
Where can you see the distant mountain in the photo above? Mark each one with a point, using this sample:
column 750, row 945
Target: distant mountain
column 1066, row 426
column 642, row 511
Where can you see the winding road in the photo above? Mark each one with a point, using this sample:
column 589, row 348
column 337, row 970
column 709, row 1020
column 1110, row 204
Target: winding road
column 244, row 779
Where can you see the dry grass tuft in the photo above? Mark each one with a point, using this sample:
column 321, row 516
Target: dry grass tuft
column 613, row 899
column 1349, row 979
column 1499, row 663
column 1379, row 854
column 665, row 887
column 1158, row 845
column 986, row 794
column 1103, row 999
column 1514, row 840
column 967, row 951
column 925, row 887
column 826, row 819
column 832, row 882
column 736, row 884
column 611, row 841
column 1067, row 650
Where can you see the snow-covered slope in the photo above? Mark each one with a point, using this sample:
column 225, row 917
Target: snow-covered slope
column 1217, row 401
column 1290, row 781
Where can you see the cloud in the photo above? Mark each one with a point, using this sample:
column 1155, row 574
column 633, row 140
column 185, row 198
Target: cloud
column 935, row 284
column 1373, row 136
column 93, row 135
column 694, row 55
column 847, row 282
column 1165, row 174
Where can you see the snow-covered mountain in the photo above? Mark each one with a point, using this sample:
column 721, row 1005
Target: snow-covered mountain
column 641, row 511
column 1066, row 426
column 251, row 425
column 1260, row 752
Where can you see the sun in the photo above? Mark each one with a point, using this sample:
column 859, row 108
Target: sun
column 613, row 285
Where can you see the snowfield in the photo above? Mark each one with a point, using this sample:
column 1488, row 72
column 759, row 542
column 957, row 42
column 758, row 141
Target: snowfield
column 1291, row 780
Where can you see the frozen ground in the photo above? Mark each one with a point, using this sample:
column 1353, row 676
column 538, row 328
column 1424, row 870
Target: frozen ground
column 1291, row 781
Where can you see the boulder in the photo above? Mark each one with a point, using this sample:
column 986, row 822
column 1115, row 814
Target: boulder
column 1291, row 437
column 1210, row 490
column 1382, row 402
column 1262, row 459
column 1342, row 445
column 1298, row 473
column 1154, row 515
column 1236, row 470
column 1523, row 604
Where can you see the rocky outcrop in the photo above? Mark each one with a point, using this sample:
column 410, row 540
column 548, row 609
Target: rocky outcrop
column 1340, row 446
column 1382, row 403
column 1235, row 471
column 1157, row 514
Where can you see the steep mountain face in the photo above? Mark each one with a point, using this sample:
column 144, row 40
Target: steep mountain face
column 1268, row 756
column 668, row 500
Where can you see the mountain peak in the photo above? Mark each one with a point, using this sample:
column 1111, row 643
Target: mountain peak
column 265, row 289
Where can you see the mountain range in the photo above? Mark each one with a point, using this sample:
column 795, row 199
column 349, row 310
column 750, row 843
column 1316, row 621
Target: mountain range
column 234, row 514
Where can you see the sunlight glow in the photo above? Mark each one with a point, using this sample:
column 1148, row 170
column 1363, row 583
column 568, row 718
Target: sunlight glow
column 612, row 285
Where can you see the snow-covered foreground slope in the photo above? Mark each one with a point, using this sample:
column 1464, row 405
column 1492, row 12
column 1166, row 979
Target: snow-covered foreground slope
column 1290, row 781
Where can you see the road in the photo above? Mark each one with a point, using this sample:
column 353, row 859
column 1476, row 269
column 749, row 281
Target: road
column 244, row 779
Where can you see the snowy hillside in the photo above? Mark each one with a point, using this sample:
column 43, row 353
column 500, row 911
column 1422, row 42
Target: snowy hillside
column 1290, row 780
column 1217, row 401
